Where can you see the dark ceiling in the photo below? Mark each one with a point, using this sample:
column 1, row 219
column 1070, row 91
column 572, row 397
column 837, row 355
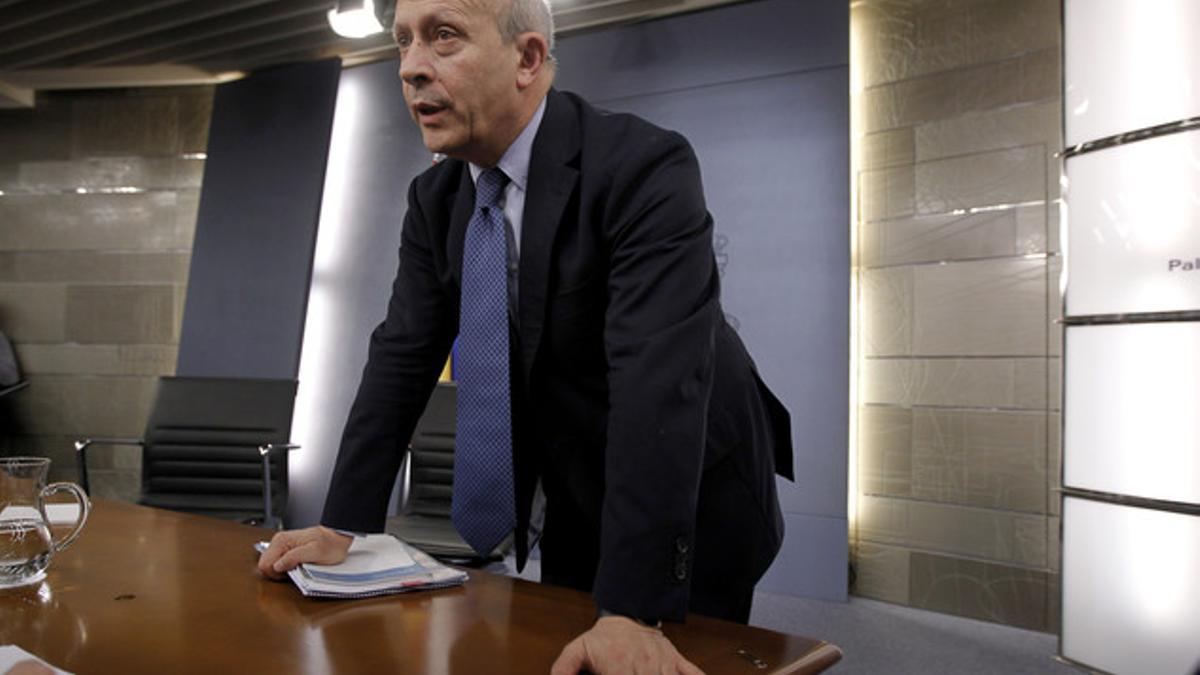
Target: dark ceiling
column 214, row 35
column 85, row 44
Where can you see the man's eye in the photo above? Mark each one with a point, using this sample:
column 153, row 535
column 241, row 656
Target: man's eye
column 445, row 34
column 403, row 41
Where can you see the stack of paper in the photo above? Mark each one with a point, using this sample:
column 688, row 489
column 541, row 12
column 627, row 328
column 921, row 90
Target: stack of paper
column 377, row 564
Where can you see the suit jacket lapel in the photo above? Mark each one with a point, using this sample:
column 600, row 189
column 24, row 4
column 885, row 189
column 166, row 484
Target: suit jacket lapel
column 552, row 180
column 459, row 204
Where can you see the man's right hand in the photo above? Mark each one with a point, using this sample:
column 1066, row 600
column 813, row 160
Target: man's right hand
column 289, row 548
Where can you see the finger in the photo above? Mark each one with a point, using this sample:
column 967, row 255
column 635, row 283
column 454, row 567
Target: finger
column 306, row 552
column 280, row 544
column 686, row 667
column 571, row 660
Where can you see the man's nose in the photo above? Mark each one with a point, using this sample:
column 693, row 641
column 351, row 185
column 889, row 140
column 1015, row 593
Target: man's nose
column 416, row 68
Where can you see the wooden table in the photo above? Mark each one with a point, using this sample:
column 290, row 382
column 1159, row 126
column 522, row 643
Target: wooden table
column 146, row 590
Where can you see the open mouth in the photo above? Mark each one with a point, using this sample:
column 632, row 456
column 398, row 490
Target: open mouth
column 428, row 112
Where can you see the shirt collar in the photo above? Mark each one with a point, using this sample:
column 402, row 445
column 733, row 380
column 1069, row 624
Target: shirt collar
column 515, row 161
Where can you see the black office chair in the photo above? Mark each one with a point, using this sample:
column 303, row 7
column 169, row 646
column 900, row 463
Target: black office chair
column 10, row 374
column 424, row 518
column 214, row 446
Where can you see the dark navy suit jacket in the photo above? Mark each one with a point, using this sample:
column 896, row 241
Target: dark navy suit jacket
column 637, row 405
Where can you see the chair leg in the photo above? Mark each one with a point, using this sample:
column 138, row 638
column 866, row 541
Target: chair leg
column 269, row 519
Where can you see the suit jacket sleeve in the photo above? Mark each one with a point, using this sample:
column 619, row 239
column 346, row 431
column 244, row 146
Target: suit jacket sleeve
column 406, row 354
column 660, row 326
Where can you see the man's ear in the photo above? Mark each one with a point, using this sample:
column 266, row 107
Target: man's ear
column 534, row 53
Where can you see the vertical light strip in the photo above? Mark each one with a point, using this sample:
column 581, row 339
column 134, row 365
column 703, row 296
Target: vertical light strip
column 307, row 466
column 857, row 59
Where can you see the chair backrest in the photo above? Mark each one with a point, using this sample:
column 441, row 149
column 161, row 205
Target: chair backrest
column 201, row 445
column 10, row 374
column 431, row 460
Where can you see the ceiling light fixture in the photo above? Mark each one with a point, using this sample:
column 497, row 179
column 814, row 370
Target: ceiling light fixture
column 354, row 19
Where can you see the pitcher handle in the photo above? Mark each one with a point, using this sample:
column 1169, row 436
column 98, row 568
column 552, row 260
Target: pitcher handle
column 85, row 507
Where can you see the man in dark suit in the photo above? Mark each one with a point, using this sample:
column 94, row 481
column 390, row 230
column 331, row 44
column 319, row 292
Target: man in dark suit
column 632, row 401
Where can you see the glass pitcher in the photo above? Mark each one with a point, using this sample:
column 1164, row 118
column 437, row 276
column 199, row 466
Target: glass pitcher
column 26, row 542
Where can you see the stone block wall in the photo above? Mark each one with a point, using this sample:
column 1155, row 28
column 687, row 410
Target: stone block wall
column 957, row 107
column 98, row 199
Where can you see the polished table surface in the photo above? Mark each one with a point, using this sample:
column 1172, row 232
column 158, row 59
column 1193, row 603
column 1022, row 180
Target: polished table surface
column 146, row 590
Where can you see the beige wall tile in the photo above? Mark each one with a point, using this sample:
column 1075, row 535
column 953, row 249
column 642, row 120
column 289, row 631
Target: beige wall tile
column 882, row 573
column 112, row 172
column 1006, row 456
column 901, row 39
column 982, row 308
column 1033, row 229
column 1054, row 461
column 60, row 449
column 42, row 132
column 886, row 304
column 94, row 266
column 1041, row 75
column 86, row 406
column 992, row 459
column 987, row 179
column 1013, row 127
column 885, row 451
column 195, row 113
column 886, row 193
column 888, row 148
column 119, row 485
column 133, row 124
column 888, row 381
column 950, row 237
column 1054, row 305
column 969, row 383
column 1054, row 543
column 78, row 359
column 1001, row 536
column 939, row 457
column 909, row 102
column 980, row 590
column 157, row 221
column 33, row 312
column 121, row 314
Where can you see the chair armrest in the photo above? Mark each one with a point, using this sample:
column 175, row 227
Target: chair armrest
column 83, row 443
column 265, row 450
column 81, row 447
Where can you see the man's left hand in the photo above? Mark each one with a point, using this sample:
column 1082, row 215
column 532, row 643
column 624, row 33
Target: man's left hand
column 617, row 645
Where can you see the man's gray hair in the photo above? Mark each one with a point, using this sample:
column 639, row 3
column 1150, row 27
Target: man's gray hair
column 525, row 16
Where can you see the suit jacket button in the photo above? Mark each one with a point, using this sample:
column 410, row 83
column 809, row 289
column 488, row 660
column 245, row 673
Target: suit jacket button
column 681, row 570
column 681, row 545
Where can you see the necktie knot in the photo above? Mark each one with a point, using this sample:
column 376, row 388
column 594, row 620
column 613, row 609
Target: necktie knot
column 489, row 187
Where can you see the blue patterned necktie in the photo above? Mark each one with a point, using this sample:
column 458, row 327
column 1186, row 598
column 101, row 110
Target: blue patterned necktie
column 483, row 507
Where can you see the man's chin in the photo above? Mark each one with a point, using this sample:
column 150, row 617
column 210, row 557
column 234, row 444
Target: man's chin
column 438, row 141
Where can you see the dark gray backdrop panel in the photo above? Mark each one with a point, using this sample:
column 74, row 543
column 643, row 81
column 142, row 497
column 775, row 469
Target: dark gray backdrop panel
column 256, row 227
column 376, row 152
column 762, row 92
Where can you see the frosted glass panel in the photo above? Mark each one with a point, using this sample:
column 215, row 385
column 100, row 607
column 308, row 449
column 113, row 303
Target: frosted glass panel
column 1129, row 64
column 1131, row 592
column 1132, row 425
column 1133, row 242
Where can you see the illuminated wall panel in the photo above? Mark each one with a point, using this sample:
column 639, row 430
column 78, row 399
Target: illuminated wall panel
column 1134, row 217
column 1148, row 372
column 1131, row 592
column 1130, row 64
